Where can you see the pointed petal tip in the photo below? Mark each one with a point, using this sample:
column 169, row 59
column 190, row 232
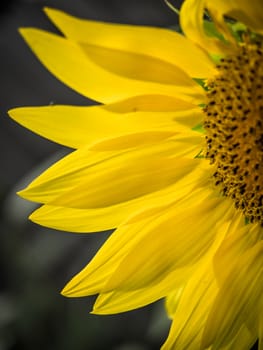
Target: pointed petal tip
column 33, row 36
column 24, row 31
column 26, row 193
column 48, row 9
column 99, row 311
column 21, row 193
column 30, row 34
column 51, row 12
column 33, row 217
column 99, row 307
column 12, row 113
column 65, row 292
column 68, row 291
column 15, row 113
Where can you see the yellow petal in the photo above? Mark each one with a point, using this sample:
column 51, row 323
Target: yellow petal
column 120, row 243
column 239, row 300
column 150, row 267
column 248, row 12
column 172, row 301
column 78, row 126
column 195, row 302
column 68, row 62
column 190, row 315
column 191, row 20
column 240, row 238
column 126, row 300
column 166, row 250
column 125, row 181
column 244, row 340
column 80, row 220
column 139, row 139
column 166, row 45
column 89, row 220
column 128, row 296
column 87, row 178
column 260, row 333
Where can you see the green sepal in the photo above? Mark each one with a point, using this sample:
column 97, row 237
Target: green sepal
column 199, row 128
column 210, row 30
column 201, row 82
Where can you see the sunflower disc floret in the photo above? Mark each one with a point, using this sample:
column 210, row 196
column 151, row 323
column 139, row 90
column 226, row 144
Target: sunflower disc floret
column 234, row 128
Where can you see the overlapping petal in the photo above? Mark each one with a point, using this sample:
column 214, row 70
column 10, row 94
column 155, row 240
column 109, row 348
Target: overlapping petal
column 119, row 268
column 240, row 294
column 99, row 219
column 137, row 120
column 192, row 23
column 248, row 12
column 164, row 44
column 193, row 302
column 190, row 315
column 69, row 63
column 92, row 179
column 241, row 237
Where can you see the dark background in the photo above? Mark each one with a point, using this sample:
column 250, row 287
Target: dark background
column 36, row 262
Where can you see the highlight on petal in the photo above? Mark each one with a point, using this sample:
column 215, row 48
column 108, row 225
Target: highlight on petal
column 69, row 63
column 162, row 44
column 137, row 118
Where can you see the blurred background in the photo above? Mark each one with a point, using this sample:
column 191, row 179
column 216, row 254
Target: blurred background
column 36, row 262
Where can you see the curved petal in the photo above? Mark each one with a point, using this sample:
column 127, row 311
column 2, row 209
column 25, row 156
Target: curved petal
column 190, row 315
column 239, row 300
column 154, row 270
column 68, row 62
column 78, row 126
column 90, row 220
column 88, row 178
column 239, row 239
column 248, row 12
column 124, row 182
column 125, row 300
column 179, row 279
column 81, row 220
column 195, row 302
column 163, row 44
column 192, row 23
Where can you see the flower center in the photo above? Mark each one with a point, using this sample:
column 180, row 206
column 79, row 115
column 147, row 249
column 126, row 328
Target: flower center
column 234, row 129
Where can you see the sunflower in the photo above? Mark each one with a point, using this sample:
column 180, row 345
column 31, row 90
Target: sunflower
column 171, row 158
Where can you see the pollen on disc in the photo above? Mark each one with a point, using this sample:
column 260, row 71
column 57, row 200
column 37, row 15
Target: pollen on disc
column 234, row 129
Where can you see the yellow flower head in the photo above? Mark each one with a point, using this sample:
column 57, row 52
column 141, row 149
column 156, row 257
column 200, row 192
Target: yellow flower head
column 172, row 157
